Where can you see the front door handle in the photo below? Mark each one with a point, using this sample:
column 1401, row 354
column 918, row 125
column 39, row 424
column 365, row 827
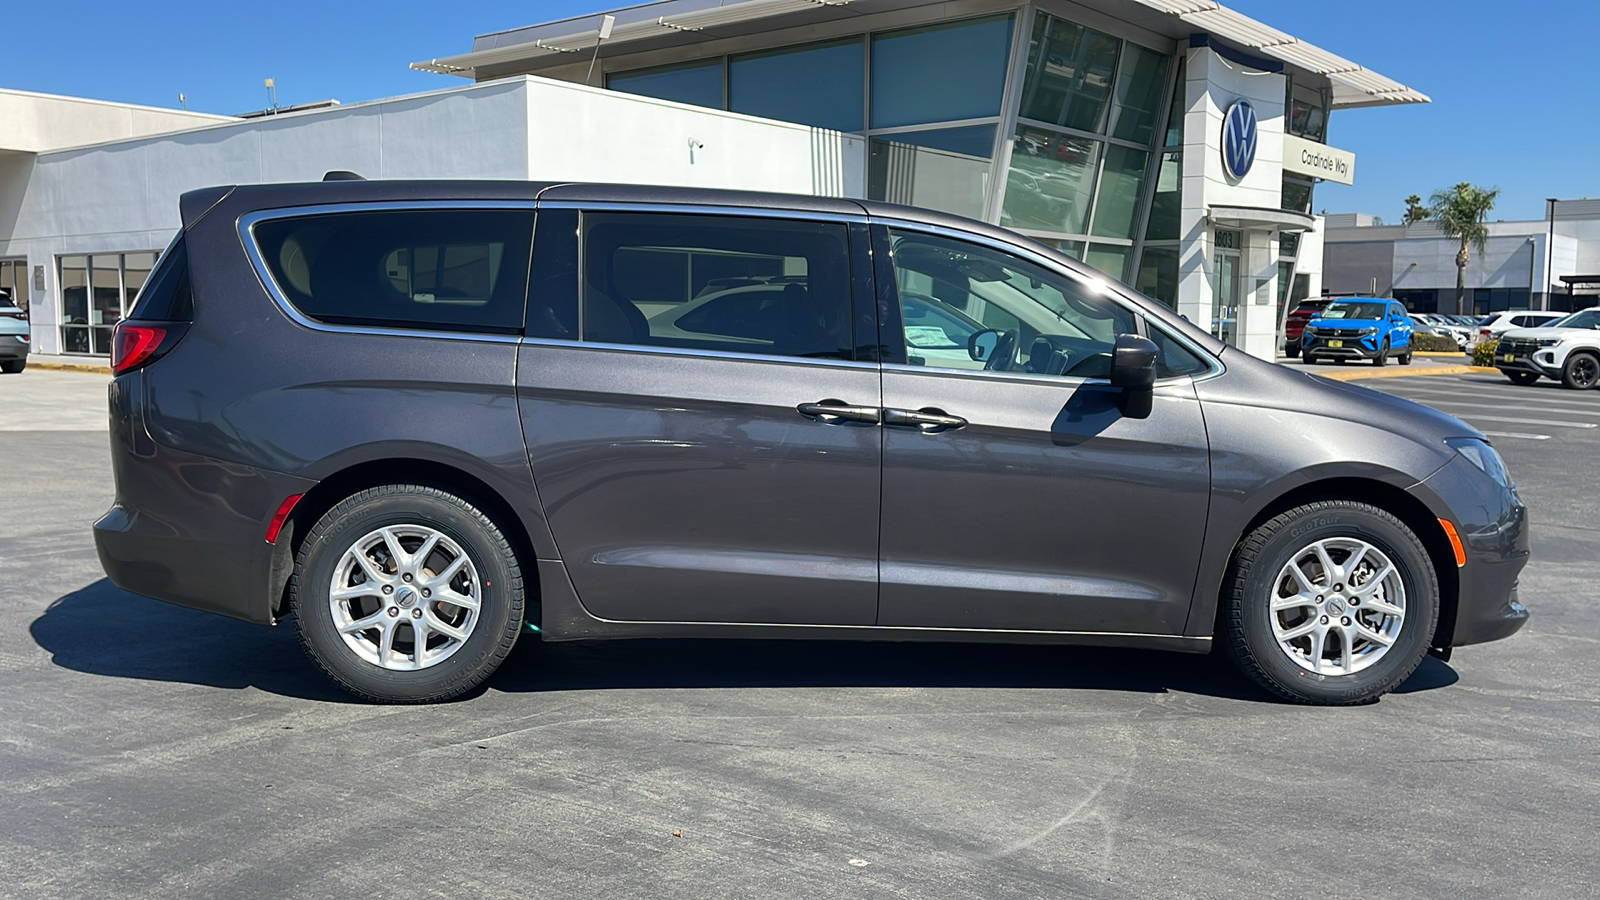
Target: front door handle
column 928, row 419
column 834, row 412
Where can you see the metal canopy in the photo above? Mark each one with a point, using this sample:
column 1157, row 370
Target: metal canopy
column 668, row 23
column 1260, row 217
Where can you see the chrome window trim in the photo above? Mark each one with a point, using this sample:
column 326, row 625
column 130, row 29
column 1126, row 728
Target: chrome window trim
column 1112, row 290
column 247, row 237
column 727, row 355
column 701, row 209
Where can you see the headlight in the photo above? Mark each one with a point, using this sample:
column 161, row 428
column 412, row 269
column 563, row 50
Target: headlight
column 1550, row 342
column 1310, row 329
column 1484, row 457
column 1369, row 331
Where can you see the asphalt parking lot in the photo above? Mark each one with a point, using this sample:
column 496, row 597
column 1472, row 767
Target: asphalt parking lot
column 149, row 751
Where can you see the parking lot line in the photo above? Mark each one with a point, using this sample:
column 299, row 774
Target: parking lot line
column 1527, row 409
column 1518, row 434
column 1546, row 422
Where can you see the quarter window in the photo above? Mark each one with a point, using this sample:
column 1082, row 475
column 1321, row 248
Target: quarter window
column 723, row 283
column 460, row 270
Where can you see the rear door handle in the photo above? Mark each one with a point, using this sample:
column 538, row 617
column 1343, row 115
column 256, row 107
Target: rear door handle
column 928, row 419
column 834, row 412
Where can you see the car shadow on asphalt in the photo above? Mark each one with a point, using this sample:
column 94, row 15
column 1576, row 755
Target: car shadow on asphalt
column 102, row 630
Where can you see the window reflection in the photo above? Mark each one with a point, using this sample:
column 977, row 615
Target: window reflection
column 1138, row 99
column 1050, row 182
column 1121, row 186
column 1069, row 74
column 1168, row 200
column 945, row 169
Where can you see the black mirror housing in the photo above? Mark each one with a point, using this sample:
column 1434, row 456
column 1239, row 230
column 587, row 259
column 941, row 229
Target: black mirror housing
column 1133, row 362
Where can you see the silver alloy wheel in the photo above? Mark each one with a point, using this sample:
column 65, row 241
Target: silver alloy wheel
column 1338, row 606
column 405, row 597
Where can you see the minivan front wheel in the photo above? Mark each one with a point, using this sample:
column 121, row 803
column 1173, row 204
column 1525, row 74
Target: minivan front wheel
column 1330, row 603
column 406, row 593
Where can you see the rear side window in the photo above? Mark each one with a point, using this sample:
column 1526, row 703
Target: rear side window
column 722, row 283
column 165, row 295
column 454, row 270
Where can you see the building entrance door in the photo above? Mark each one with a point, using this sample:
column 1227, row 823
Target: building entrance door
column 1225, row 298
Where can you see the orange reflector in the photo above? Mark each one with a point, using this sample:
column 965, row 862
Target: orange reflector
column 1455, row 542
column 284, row 508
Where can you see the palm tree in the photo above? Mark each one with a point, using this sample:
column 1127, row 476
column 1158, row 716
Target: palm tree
column 1460, row 212
column 1415, row 211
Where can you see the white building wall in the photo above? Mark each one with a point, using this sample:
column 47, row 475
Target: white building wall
column 1213, row 83
column 123, row 196
column 37, row 123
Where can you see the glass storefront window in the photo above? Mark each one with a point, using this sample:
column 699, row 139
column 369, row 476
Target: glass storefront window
column 1070, row 69
column 1167, row 203
column 14, row 280
column 699, row 83
column 832, row 74
column 1307, row 120
column 1108, row 258
column 1289, row 245
column 938, row 73
column 75, row 304
column 1296, row 195
column 1073, row 249
column 1175, row 114
column 1140, row 83
column 1158, row 274
column 1121, row 186
column 944, row 168
column 1050, row 182
column 96, row 292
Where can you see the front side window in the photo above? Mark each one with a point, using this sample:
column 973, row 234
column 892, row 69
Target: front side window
column 721, row 283
column 455, row 270
column 1588, row 318
column 1037, row 320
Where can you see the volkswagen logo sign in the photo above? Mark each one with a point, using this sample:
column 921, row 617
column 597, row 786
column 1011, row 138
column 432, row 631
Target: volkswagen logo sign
column 1239, row 138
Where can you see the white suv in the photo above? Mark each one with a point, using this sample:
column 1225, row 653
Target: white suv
column 1495, row 324
column 1567, row 350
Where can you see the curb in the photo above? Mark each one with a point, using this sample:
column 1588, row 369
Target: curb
column 1403, row 372
column 69, row 367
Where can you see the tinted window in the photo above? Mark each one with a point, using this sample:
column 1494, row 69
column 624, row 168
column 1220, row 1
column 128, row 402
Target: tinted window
column 553, row 285
column 165, row 296
column 699, row 83
column 1175, row 359
column 1051, row 324
column 939, row 73
column 464, row 270
column 727, row 283
column 763, row 84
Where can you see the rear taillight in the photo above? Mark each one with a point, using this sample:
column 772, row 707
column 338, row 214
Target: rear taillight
column 133, row 345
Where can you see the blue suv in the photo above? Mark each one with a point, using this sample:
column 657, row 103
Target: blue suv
column 1358, row 328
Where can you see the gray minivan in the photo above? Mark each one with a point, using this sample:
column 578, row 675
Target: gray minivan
column 427, row 417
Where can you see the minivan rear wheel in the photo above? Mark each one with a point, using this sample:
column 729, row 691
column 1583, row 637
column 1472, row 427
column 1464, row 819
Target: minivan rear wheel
column 1332, row 603
column 407, row 594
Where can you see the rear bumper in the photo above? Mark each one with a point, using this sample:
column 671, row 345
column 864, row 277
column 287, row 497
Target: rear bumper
column 11, row 348
column 187, row 529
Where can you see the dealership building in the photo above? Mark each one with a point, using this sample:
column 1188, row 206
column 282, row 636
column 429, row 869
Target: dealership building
column 1549, row 263
column 1173, row 144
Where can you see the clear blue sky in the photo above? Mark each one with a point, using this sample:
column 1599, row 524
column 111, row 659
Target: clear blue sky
column 1514, row 85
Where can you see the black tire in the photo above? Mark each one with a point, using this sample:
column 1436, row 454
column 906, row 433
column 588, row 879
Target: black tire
column 1522, row 378
column 1405, row 358
column 1309, row 360
column 1246, row 623
column 13, row 366
column 1581, row 372
column 1291, row 350
column 1382, row 359
column 498, row 620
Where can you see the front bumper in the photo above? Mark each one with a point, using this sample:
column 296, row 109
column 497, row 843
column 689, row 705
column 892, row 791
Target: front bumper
column 1493, row 525
column 1365, row 347
column 1537, row 362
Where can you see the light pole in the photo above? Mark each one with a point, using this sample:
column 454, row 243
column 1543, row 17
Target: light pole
column 272, row 94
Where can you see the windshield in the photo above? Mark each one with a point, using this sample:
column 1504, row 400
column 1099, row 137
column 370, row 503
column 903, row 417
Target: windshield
column 1354, row 311
column 1589, row 318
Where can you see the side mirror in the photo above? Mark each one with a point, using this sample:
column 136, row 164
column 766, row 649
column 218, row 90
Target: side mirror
column 1133, row 368
column 981, row 344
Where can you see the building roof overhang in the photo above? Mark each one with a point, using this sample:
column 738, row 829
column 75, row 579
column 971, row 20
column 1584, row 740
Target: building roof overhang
column 1260, row 217
column 670, row 23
